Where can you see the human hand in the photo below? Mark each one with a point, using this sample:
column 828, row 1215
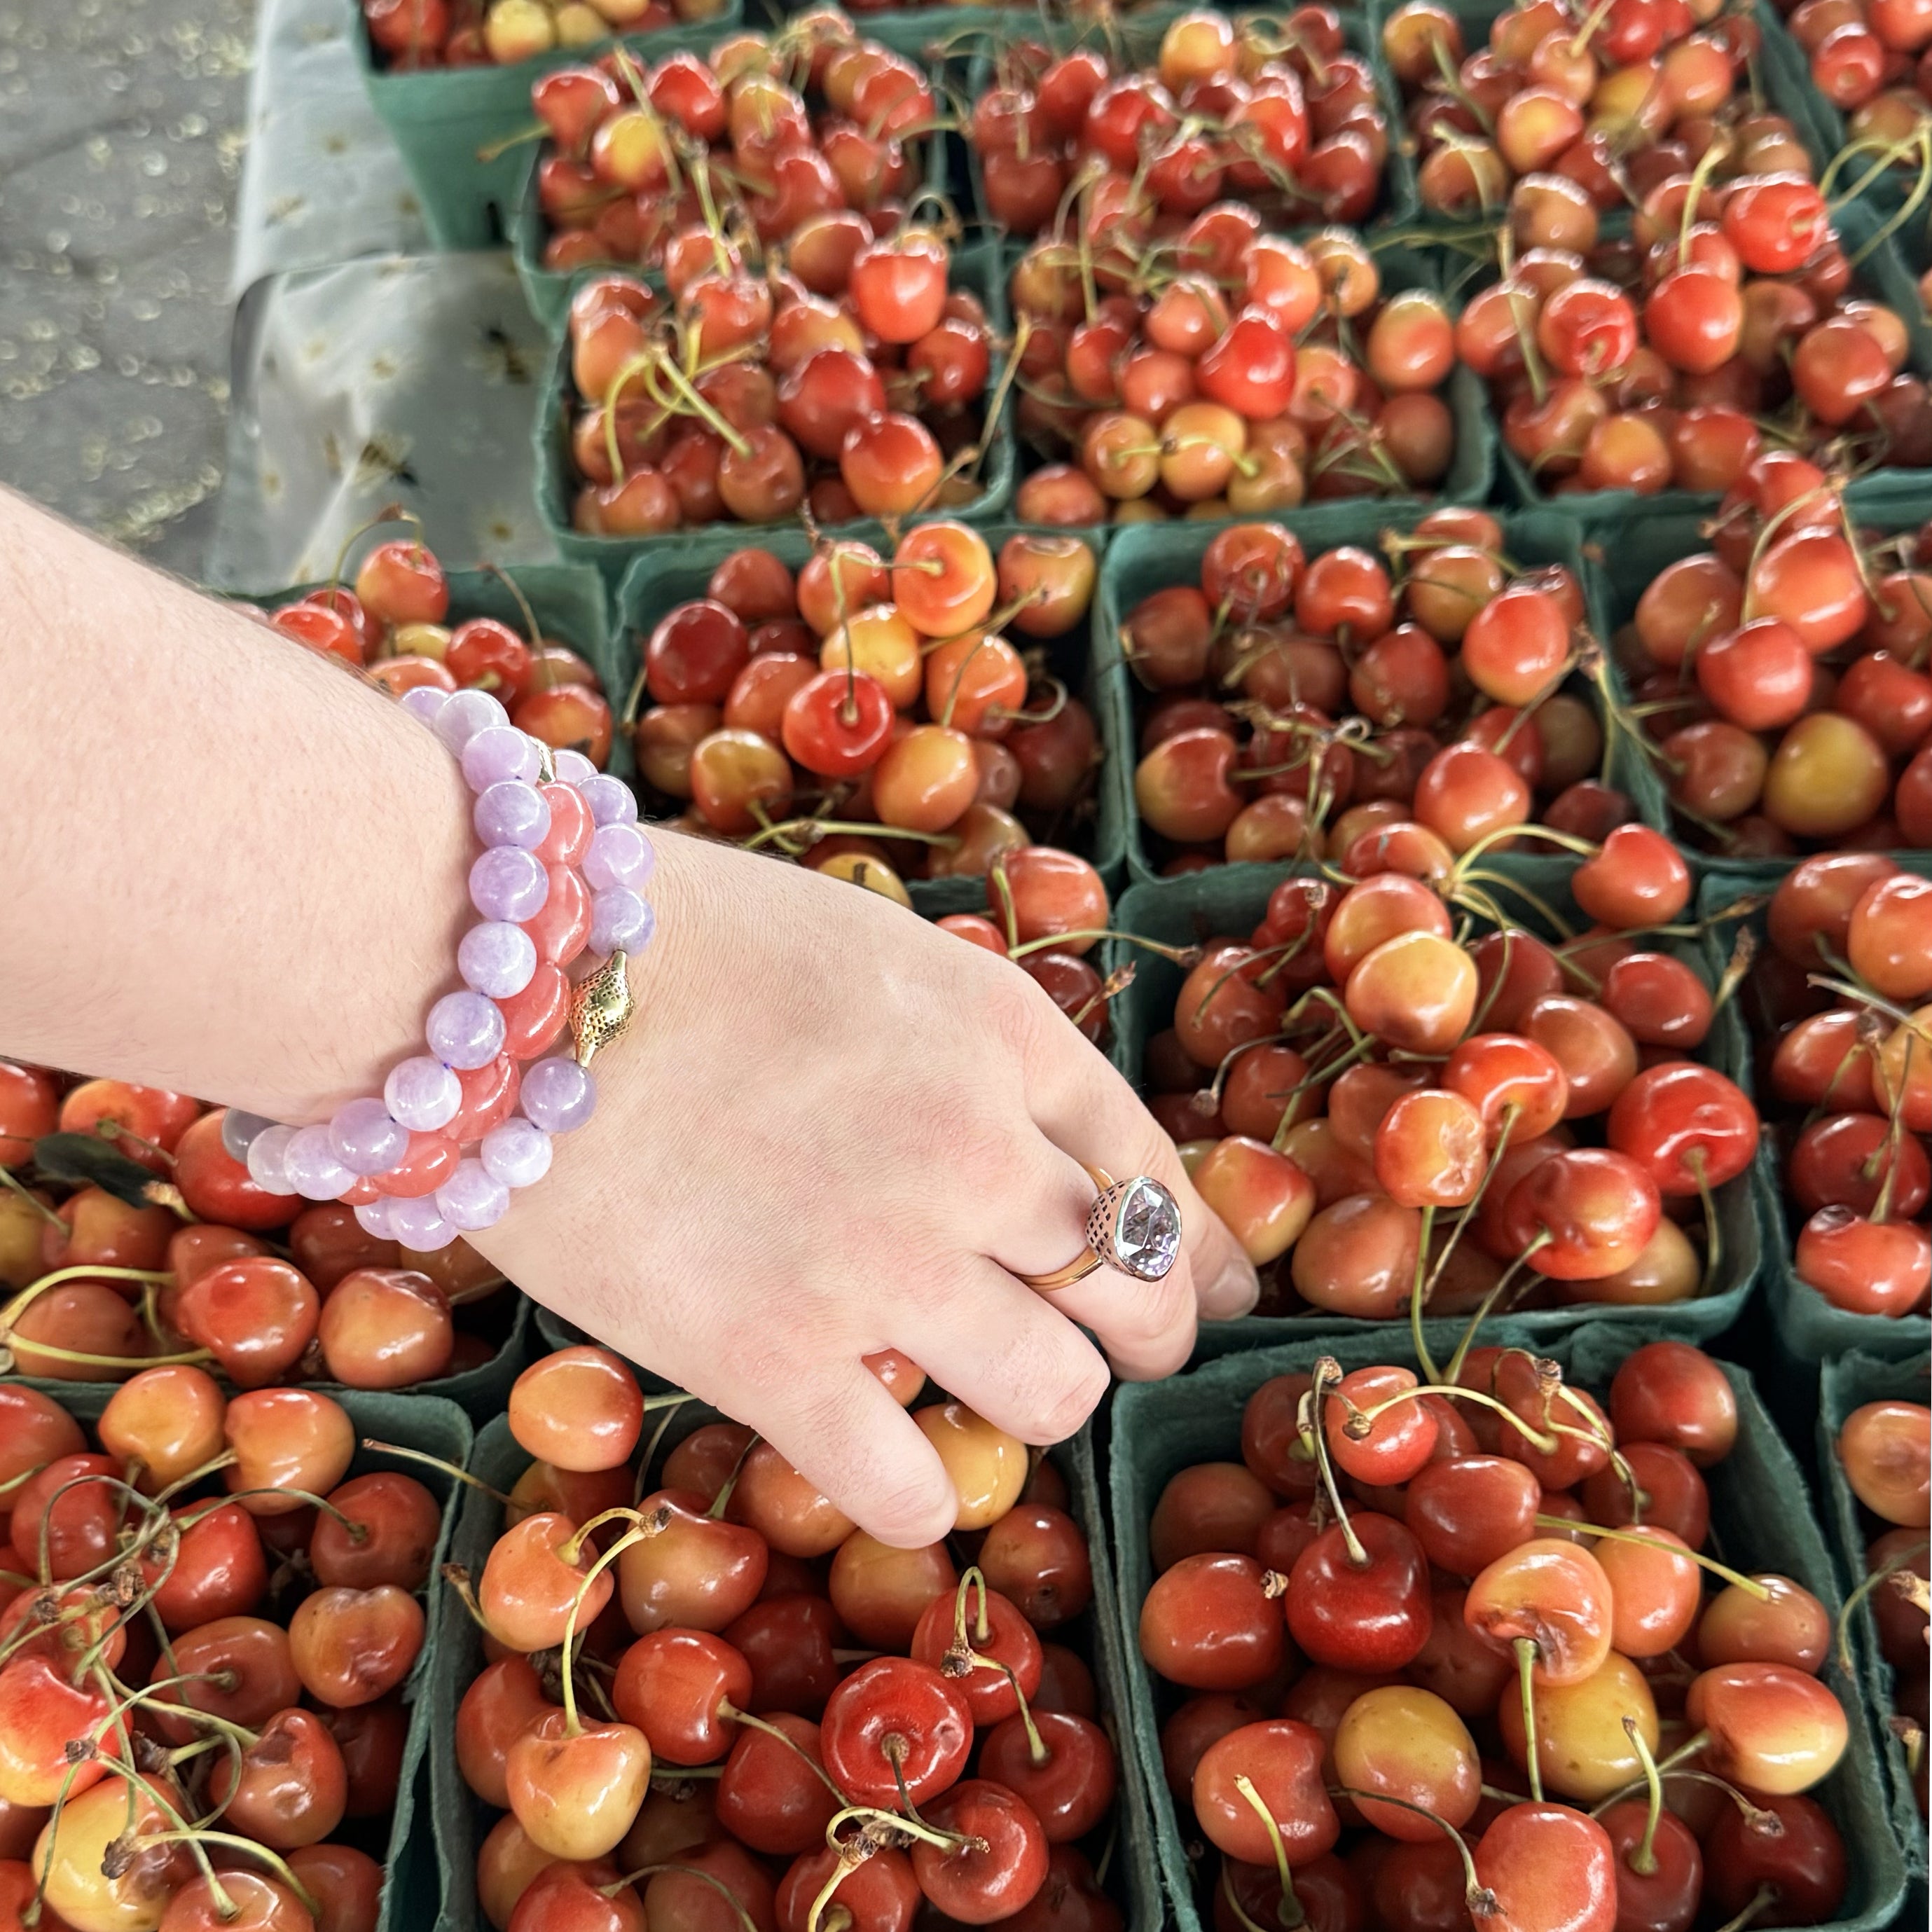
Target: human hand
column 831, row 1129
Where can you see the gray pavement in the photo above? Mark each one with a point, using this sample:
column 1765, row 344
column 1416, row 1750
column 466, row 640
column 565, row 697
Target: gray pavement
column 120, row 136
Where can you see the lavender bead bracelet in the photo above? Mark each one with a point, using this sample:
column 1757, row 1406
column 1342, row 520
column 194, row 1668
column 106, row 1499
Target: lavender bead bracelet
column 466, row 1188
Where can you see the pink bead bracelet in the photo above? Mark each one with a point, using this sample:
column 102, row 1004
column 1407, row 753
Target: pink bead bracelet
column 437, row 1154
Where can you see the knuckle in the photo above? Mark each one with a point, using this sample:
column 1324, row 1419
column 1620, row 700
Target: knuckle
column 1066, row 1411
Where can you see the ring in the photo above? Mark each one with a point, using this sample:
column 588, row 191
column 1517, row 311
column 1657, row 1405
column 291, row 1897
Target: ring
column 1134, row 1226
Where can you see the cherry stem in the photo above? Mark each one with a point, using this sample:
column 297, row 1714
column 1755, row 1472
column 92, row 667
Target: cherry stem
column 1642, row 1856
column 1328, row 1370
column 1180, row 955
column 1361, row 1421
column 234, row 1842
column 1767, row 1822
column 1890, row 1567
column 726, row 1708
column 1294, row 1915
column 1510, row 1114
column 457, row 1578
column 745, row 1921
column 11, row 1313
column 1480, row 1900
column 573, row 1726
column 721, row 1501
column 1736, row 1578
column 380, row 1448
column 12, row 1180
column 973, row 1578
column 1419, row 1294
column 1763, row 1896
column 870, row 1815
column 1488, row 1302
column 1685, row 1752
column 851, row 1856
column 1526, row 1678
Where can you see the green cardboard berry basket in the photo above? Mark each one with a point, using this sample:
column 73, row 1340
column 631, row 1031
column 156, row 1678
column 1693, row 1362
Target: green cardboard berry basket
column 1848, row 1382
column 1232, row 898
column 1809, row 1328
column 460, row 1820
column 654, row 585
column 1471, row 476
column 457, row 127
column 975, row 268
column 1619, row 566
column 434, row 1428
column 1137, row 37
column 1761, row 1520
column 548, row 291
column 1146, row 557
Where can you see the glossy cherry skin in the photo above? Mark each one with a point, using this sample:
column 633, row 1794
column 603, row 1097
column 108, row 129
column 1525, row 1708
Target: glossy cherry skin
column 1036, row 1556
column 1374, row 1618
column 1554, row 1594
column 1805, row 1863
column 288, row 1788
column 893, row 1713
column 788, row 1642
column 695, row 1572
column 880, row 1893
column 1282, row 1759
column 1070, row 1789
column 771, row 1795
column 527, row 1587
column 1664, row 1898
column 1468, row 1511
column 1549, row 1868
column 1212, row 1623
column 1772, row 1728
column 501, row 1700
column 1671, row 1393
column 1683, row 1123
column 675, row 1685
column 1000, row 1867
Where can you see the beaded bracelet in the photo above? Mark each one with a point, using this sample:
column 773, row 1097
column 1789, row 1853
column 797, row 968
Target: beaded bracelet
column 550, row 823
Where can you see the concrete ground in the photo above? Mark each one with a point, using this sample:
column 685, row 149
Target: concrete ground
column 121, row 136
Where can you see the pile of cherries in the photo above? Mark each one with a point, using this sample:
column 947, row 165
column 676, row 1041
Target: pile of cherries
column 1275, row 115
column 710, row 1702
column 1845, row 993
column 1884, row 1448
column 1391, row 1118
column 1783, row 674
column 1223, row 371
column 1866, row 58
column 884, row 698
column 412, row 35
column 392, row 624
column 1464, row 1619
column 649, row 162
column 205, row 1624
column 173, row 1255
column 1301, row 707
column 848, row 385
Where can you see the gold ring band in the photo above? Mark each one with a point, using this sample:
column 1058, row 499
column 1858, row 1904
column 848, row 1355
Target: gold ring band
column 1133, row 1227
column 1083, row 1264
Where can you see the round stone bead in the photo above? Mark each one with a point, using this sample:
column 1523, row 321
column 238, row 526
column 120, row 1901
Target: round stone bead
column 497, row 959
column 472, row 1198
column 572, row 766
column 313, row 1169
column 464, row 714
column 518, row 1153
column 465, row 1030
column 497, row 754
column 619, row 855
column 610, row 800
column 366, row 1138
column 268, row 1159
column 558, row 1095
column 238, row 1130
column 620, row 921
column 508, row 883
column 422, row 1094
column 425, row 701
column 512, row 814
column 417, row 1223
column 373, row 1218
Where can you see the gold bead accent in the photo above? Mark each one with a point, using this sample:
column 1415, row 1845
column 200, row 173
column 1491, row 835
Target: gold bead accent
column 601, row 1008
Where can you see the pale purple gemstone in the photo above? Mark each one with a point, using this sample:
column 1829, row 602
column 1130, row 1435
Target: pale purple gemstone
column 497, row 959
column 573, row 767
column 559, row 1095
column 620, row 921
column 313, row 1169
column 425, row 701
column 417, row 1223
column 497, row 754
column 365, row 1139
column 619, row 855
column 508, row 883
column 518, row 1153
column 267, row 1159
column 466, row 713
column 422, row 1094
column 238, row 1130
column 610, row 800
column 465, row 1030
column 373, row 1218
column 512, row 814
column 472, row 1198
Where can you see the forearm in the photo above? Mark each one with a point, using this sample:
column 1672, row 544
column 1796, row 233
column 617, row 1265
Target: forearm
column 233, row 868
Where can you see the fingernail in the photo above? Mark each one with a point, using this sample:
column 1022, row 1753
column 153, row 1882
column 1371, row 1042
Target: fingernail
column 1235, row 1291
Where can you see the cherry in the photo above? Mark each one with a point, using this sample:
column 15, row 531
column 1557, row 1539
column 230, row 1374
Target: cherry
column 1036, row 1557
column 977, row 1623
column 880, row 1592
column 531, row 1579
column 1358, row 1596
column 1672, row 1392
column 285, row 1439
column 1771, row 1728
column 773, row 1794
column 1552, row 1595
column 501, row 1702
column 996, row 1864
column 1881, row 1445
column 1803, row 1863
column 126, row 1893
column 879, row 1893
column 695, row 1571
column 1549, row 1867
column 290, row 1787
column 895, row 1722
column 1281, row 1760
column 1468, row 1512
column 1059, row 1764
column 1673, row 1494
column 346, row 1885
column 579, row 1408
column 1210, row 1623
column 1786, row 1625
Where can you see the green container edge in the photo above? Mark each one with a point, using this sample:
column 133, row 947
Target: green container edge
column 976, row 267
column 1230, row 898
column 1160, row 1427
